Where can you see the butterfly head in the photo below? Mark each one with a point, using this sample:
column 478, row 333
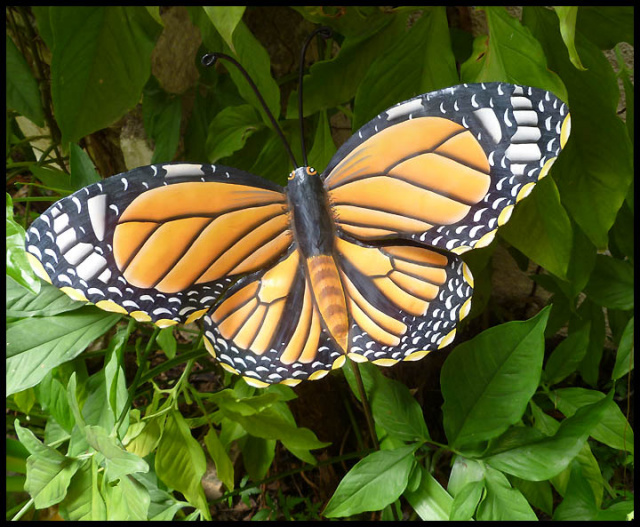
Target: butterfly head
column 302, row 173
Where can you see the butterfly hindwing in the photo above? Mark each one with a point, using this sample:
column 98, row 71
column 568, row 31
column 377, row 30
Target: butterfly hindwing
column 163, row 241
column 267, row 328
column 404, row 300
column 446, row 168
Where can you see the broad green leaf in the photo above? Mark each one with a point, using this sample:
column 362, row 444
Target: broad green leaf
column 540, row 457
column 53, row 179
column 624, row 356
column 510, row 53
column 100, row 63
column 22, row 91
column 83, row 172
column 429, row 499
column 162, row 114
column 579, row 503
column 373, row 483
column 118, row 462
column 611, row 283
column 541, row 229
column 254, row 58
column 25, row 400
column 345, row 20
column 52, row 396
column 420, row 61
column 613, row 430
column 568, row 355
column 335, row 81
column 567, row 16
column 269, row 424
column 595, row 169
column 487, row 381
column 146, row 437
column 502, row 502
column 620, row 511
column 607, row 25
column 395, row 409
column 167, row 342
column 464, row 472
column 180, row 461
column 538, row 493
column 37, row 345
column 21, row 303
column 114, row 375
column 225, row 19
column 590, row 366
column 230, row 130
column 224, row 466
column 466, row 501
column 48, row 471
column 323, row 146
column 257, row 455
column 128, row 500
column 583, row 258
column 84, row 501
column 18, row 266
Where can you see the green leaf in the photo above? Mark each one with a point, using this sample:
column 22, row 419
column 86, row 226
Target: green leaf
column 537, row 493
column 395, row 409
column 84, row 501
column 180, row 461
column 118, row 462
column 624, row 355
column 230, row 130
column 568, row 355
column 48, row 471
column 56, row 180
column 52, row 396
column 510, row 53
column 167, row 342
column 101, row 59
column 22, row 91
column 373, row 483
column 611, row 283
column 538, row 458
column 257, row 455
column 335, row 81
column 142, row 437
column 37, row 345
column 613, row 430
column 541, row 229
column 323, row 146
column 579, row 503
column 254, row 58
column 225, row 19
column 607, row 25
column 567, row 16
column 421, row 61
column 592, row 185
column 590, row 366
column 18, row 266
column 429, row 500
column 83, row 173
column 502, row 364
column 224, row 466
column 466, row 501
column 502, row 502
column 21, row 303
column 129, row 500
column 269, row 424
column 162, row 114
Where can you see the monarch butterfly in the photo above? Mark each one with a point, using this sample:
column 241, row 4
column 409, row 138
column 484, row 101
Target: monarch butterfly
column 359, row 261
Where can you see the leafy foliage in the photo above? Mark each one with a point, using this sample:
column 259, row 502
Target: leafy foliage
column 111, row 419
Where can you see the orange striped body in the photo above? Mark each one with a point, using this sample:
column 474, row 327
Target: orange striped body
column 328, row 294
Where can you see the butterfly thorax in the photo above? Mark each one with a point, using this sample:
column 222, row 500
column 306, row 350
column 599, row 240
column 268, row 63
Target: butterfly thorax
column 314, row 232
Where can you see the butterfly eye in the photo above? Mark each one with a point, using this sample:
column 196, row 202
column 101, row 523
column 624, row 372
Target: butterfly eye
column 292, row 175
column 311, row 171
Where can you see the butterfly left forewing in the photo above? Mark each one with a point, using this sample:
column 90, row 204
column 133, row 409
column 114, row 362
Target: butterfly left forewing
column 162, row 242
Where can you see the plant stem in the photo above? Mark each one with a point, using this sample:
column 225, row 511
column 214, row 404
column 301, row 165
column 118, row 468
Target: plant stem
column 365, row 403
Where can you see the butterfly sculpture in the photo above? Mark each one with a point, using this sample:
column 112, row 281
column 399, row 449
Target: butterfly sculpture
column 359, row 261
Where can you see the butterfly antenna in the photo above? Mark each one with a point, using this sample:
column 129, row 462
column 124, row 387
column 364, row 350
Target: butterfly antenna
column 210, row 59
column 325, row 32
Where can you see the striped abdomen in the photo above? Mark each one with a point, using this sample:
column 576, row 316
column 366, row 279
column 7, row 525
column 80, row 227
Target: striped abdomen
column 329, row 297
